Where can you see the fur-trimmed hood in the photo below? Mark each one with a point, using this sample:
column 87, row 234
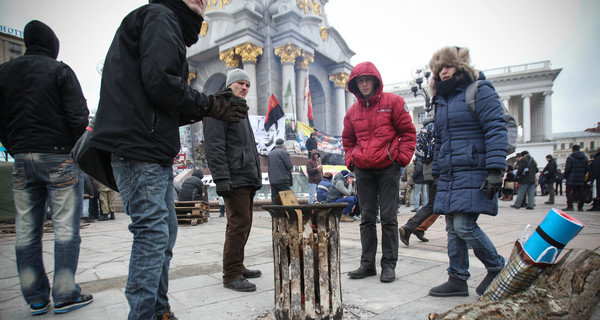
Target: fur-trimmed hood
column 450, row 56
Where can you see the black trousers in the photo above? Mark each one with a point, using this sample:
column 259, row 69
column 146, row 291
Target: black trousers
column 378, row 192
column 426, row 211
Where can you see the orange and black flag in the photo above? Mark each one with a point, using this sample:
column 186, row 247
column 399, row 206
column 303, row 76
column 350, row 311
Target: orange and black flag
column 274, row 112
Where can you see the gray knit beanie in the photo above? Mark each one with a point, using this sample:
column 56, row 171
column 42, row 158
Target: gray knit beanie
column 236, row 75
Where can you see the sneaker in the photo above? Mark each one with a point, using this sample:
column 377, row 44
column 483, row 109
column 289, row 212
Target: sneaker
column 167, row 316
column 549, row 202
column 346, row 218
column 37, row 309
column 529, row 208
column 82, row 301
column 404, row 235
column 568, row 209
column 241, row 284
column 247, row 273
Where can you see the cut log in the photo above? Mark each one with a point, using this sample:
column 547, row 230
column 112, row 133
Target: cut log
column 568, row 290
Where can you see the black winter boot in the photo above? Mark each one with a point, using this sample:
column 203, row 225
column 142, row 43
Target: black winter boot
column 453, row 287
column 404, row 234
column 485, row 283
column 112, row 216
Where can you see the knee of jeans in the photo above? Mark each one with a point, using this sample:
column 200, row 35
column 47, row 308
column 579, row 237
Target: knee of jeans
column 27, row 277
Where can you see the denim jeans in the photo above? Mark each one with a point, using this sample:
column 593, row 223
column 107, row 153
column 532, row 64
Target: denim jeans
column 378, row 191
column 464, row 232
column 147, row 193
column 53, row 178
column 312, row 191
column 85, row 212
column 419, row 191
column 350, row 200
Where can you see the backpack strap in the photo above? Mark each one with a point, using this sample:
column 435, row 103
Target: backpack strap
column 471, row 95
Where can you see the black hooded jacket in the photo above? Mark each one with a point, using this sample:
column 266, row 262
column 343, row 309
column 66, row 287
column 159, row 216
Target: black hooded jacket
column 144, row 91
column 192, row 188
column 575, row 169
column 42, row 107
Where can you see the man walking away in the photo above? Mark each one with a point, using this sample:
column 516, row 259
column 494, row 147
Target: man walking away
column 42, row 114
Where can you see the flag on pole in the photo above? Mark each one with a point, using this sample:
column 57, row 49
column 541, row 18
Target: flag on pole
column 308, row 102
column 288, row 94
column 274, row 112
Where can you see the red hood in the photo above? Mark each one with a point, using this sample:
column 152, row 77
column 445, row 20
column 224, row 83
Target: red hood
column 365, row 69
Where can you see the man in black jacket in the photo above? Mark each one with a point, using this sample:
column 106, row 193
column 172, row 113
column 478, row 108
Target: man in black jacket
column 192, row 189
column 144, row 98
column 594, row 175
column 575, row 169
column 280, row 169
column 42, row 114
column 235, row 167
column 549, row 175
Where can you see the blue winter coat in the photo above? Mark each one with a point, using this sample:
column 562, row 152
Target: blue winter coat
column 323, row 189
column 466, row 147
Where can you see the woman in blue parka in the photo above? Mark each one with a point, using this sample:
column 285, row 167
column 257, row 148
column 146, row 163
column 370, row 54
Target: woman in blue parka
column 469, row 158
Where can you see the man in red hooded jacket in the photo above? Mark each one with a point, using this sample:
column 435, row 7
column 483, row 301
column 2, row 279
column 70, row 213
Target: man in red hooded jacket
column 379, row 138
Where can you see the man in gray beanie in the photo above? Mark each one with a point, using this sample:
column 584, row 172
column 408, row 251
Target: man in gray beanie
column 236, row 75
column 235, row 167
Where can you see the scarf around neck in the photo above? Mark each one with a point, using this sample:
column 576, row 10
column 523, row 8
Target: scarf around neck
column 190, row 21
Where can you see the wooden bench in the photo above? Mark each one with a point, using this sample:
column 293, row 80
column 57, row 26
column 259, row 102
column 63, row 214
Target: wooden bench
column 192, row 212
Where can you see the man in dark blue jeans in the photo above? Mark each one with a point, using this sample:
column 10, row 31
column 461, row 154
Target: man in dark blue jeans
column 144, row 98
column 39, row 125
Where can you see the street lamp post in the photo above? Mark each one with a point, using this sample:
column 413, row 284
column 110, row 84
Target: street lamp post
column 418, row 89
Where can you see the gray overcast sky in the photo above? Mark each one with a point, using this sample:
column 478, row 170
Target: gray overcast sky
column 396, row 35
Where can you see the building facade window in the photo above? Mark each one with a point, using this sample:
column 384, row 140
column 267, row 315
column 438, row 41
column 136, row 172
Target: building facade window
column 592, row 145
column 562, row 146
column 15, row 51
column 582, row 145
column 421, row 117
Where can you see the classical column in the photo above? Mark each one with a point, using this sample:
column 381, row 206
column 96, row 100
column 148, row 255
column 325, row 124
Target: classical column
column 548, row 115
column 301, row 73
column 339, row 82
column 248, row 53
column 526, row 117
column 288, row 54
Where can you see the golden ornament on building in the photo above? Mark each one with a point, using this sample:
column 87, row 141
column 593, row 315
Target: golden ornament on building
column 324, row 33
column 232, row 60
column 248, row 51
column 191, row 76
column 310, row 7
column 217, row 4
column 204, row 29
column 304, row 60
column 339, row 79
column 288, row 53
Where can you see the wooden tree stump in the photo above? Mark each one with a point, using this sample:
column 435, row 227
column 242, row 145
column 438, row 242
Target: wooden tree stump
column 568, row 290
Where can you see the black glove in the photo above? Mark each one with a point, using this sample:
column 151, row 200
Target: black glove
column 493, row 183
column 224, row 106
column 223, row 188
